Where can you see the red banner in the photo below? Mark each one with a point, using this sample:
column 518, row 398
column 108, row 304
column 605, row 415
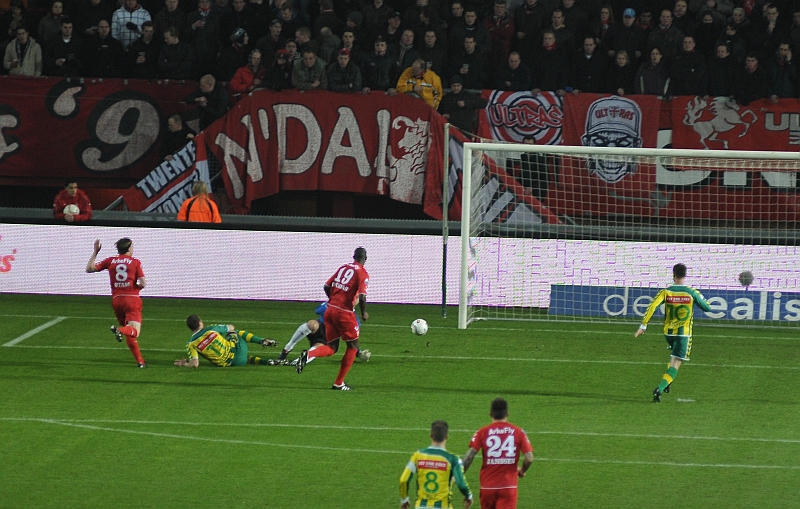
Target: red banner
column 293, row 140
column 52, row 129
column 510, row 116
column 720, row 123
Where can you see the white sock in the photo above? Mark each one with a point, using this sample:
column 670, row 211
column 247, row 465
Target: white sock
column 298, row 335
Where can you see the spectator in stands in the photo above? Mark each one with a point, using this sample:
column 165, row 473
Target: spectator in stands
column 308, row 73
column 376, row 69
column 767, row 35
column 470, row 26
column 782, row 72
column 740, row 21
column 50, row 25
column 176, row 59
column 62, row 54
column 652, row 78
column 411, row 16
column 666, row 36
column 23, row 56
column 103, row 54
column 234, row 56
column 600, row 28
column 211, row 100
column 202, row 34
column 428, row 20
column 722, row 72
column 565, row 37
column 200, row 208
column 177, row 136
column 471, row 65
column 588, row 70
column 529, row 20
column 240, row 15
column 515, row 76
column 619, row 76
column 351, row 44
column 577, row 19
column 89, row 15
column 434, row 55
column 681, row 18
column 169, row 16
column 687, row 74
column 355, row 24
column 501, row 32
column 126, row 23
column 719, row 11
column 626, row 36
column 795, row 29
column 391, row 34
column 279, row 76
column 403, row 53
column 143, row 54
column 753, row 81
column 344, row 75
column 460, row 107
column 249, row 77
column 455, row 14
column 735, row 42
column 328, row 18
column 291, row 20
column 645, row 21
column 303, row 38
column 272, row 42
column 292, row 51
column 375, row 16
column 80, row 207
column 706, row 34
column 551, row 66
column 421, row 81
column 16, row 17
column 326, row 45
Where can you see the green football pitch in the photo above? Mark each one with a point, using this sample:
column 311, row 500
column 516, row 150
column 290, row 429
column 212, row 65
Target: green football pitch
column 82, row 427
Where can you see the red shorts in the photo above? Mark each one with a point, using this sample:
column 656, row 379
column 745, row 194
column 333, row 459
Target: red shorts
column 340, row 324
column 127, row 308
column 505, row 498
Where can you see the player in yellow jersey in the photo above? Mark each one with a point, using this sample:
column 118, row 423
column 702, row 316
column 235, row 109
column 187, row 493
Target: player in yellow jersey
column 436, row 470
column 223, row 345
column 678, row 300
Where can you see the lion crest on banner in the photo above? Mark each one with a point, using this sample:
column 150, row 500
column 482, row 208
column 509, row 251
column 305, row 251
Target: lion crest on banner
column 406, row 174
column 720, row 116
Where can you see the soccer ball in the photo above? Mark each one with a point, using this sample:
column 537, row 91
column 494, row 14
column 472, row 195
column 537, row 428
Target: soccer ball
column 72, row 209
column 746, row 278
column 419, row 327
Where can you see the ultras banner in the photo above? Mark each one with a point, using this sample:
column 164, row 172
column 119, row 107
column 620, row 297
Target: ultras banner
column 300, row 141
column 52, row 129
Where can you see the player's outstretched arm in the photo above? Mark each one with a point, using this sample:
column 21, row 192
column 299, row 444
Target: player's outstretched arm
column 639, row 331
column 191, row 363
column 468, row 458
column 90, row 265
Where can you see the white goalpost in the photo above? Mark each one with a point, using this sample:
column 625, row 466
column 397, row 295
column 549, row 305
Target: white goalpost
column 599, row 237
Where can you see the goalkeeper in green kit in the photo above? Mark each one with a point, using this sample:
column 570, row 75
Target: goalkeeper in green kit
column 678, row 300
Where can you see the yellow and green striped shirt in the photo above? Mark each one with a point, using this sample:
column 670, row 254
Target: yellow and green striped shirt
column 678, row 303
column 436, row 470
column 212, row 343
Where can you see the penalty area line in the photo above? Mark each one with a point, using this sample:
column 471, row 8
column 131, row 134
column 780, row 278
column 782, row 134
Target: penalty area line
column 669, row 464
column 35, row 331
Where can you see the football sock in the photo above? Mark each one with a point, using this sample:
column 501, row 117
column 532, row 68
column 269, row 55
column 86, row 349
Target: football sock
column 669, row 376
column 133, row 345
column 127, row 330
column 299, row 334
column 320, row 351
column 249, row 336
column 252, row 359
column 347, row 361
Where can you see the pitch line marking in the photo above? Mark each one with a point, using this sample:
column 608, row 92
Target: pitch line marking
column 386, row 451
column 35, row 331
column 463, row 358
column 389, row 428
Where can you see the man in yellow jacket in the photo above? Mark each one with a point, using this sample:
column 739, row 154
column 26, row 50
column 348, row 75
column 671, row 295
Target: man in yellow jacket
column 420, row 80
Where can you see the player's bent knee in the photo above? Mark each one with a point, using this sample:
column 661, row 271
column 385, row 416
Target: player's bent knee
column 313, row 326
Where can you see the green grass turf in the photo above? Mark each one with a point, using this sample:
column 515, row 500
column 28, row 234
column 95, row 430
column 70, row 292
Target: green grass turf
column 82, row 427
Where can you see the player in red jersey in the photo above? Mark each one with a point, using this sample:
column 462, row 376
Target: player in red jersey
column 127, row 278
column 501, row 444
column 345, row 288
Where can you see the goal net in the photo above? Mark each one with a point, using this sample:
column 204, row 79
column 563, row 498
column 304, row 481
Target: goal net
column 592, row 233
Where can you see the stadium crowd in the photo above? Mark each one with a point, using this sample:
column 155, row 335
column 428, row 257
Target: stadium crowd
column 738, row 48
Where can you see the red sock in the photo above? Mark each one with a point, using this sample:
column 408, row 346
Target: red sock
column 320, row 351
column 127, row 330
column 347, row 361
column 134, row 347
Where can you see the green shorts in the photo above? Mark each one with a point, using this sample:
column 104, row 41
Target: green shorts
column 681, row 346
column 239, row 354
